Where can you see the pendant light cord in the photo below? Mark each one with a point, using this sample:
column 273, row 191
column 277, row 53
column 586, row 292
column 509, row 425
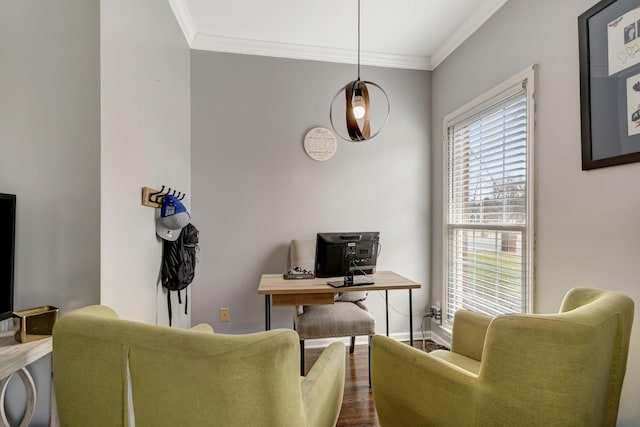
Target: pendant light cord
column 358, row 39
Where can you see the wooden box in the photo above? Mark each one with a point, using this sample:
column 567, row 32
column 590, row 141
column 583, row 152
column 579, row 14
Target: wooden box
column 34, row 323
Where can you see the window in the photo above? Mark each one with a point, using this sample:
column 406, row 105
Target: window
column 488, row 218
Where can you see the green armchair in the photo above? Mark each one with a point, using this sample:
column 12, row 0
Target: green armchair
column 110, row 371
column 563, row 369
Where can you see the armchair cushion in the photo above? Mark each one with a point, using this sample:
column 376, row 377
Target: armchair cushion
column 467, row 363
column 334, row 320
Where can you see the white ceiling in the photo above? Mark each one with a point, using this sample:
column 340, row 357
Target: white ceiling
column 415, row 34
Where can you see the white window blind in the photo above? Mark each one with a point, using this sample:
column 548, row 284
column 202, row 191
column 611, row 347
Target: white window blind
column 488, row 206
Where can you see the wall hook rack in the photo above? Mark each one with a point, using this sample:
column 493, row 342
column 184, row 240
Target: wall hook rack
column 153, row 198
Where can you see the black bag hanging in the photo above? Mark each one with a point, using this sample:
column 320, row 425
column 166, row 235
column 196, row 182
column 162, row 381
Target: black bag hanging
column 179, row 259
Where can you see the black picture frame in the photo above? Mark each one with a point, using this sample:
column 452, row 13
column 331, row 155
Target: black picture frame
column 606, row 122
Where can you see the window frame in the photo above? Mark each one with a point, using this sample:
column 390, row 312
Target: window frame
column 497, row 94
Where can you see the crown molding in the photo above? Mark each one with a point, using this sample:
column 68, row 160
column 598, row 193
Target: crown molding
column 184, row 19
column 217, row 43
column 465, row 31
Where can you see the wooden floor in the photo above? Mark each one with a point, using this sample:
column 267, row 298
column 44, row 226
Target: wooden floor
column 357, row 405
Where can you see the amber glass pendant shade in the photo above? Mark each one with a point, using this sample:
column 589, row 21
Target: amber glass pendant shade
column 359, row 111
column 361, row 108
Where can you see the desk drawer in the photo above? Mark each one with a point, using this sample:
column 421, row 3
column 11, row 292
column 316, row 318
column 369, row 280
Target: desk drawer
column 302, row 299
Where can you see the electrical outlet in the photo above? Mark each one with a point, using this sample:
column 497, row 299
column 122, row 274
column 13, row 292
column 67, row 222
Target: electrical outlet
column 224, row 314
column 436, row 314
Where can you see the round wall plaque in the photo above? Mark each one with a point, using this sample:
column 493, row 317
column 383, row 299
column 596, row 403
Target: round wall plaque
column 320, row 144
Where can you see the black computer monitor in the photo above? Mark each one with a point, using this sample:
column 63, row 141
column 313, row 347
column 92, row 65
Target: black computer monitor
column 347, row 254
column 7, row 253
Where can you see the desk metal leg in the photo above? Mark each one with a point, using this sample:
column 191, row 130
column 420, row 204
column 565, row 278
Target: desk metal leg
column 410, row 319
column 386, row 300
column 267, row 312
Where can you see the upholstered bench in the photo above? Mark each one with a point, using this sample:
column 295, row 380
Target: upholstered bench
column 341, row 319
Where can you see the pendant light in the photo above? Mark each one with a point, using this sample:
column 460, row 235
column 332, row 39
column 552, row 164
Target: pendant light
column 362, row 105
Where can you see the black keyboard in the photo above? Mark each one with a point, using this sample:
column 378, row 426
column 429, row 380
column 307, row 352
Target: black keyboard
column 342, row 284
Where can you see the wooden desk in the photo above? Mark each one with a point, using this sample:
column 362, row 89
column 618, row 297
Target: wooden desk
column 14, row 357
column 281, row 292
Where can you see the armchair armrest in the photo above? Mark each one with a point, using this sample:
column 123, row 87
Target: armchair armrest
column 469, row 332
column 95, row 310
column 323, row 387
column 202, row 327
column 412, row 388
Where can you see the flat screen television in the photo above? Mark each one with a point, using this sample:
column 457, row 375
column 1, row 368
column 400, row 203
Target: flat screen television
column 7, row 253
column 347, row 254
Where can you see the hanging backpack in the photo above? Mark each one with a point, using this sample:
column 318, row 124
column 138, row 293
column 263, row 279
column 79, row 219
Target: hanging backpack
column 179, row 264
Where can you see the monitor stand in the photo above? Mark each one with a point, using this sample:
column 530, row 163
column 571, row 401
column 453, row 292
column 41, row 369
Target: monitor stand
column 349, row 280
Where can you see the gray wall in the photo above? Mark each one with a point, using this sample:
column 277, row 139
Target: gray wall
column 255, row 189
column 51, row 79
column 49, row 157
column 587, row 229
column 145, row 142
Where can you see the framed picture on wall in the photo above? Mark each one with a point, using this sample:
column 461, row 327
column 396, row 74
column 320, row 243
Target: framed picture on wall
column 609, row 46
